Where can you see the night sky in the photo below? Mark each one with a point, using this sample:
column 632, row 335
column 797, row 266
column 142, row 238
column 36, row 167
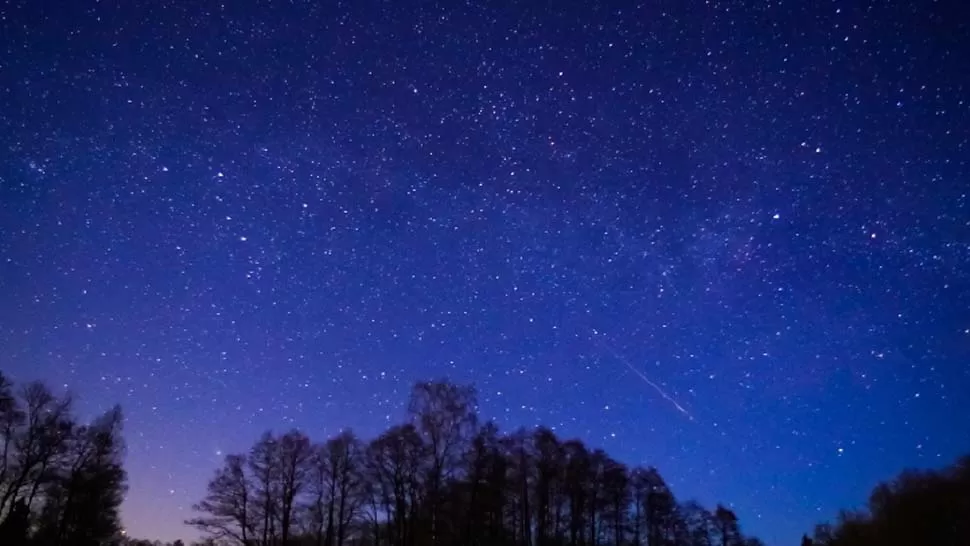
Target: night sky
column 729, row 239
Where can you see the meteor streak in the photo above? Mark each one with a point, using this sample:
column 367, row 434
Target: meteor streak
column 642, row 376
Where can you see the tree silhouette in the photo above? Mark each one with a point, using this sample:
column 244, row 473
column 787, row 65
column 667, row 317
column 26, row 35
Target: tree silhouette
column 726, row 523
column 228, row 505
column 616, row 499
column 918, row 507
column 444, row 415
column 439, row 479
column 336, row 488
column 15, row 528
column 293, row 457
column 88, row 494
column 443, row 479
column 264, row 468
column 61, row 483
column 38, row 428
column 394, row 461
column 700, row 524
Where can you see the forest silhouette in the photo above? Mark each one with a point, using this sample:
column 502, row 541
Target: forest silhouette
column 61, row 482
column 440, row 478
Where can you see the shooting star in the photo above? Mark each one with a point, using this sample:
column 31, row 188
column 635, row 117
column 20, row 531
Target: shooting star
column 642, row 376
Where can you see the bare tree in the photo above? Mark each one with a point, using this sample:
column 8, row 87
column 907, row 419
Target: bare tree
column 294, row 454
column 60, row 483
column 12, row 417
column 322, row 492
column 349, row 478
column 264, row 468
column 439, row 479
column 83, row 497
column 36, row 434
column 228, row 506
column 336, row 487
column 394, row 461
column 444, row 414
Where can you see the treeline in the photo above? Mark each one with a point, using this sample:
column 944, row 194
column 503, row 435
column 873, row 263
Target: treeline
column 61, row 481
column 444, row 479
column 441, row 478
column 930, row 508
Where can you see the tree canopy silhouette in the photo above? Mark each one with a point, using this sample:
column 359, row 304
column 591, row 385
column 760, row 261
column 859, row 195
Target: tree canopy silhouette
column 930, row 508
column 61, row 482
column 443, row 478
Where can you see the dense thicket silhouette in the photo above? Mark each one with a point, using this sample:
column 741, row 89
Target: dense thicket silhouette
column 930, row 508
column 61, row 482
column 441, row 478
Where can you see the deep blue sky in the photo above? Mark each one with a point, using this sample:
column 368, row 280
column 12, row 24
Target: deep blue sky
column 276, row 214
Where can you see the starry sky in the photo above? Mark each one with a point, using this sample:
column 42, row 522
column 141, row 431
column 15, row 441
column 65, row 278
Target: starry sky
column 729, row 239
